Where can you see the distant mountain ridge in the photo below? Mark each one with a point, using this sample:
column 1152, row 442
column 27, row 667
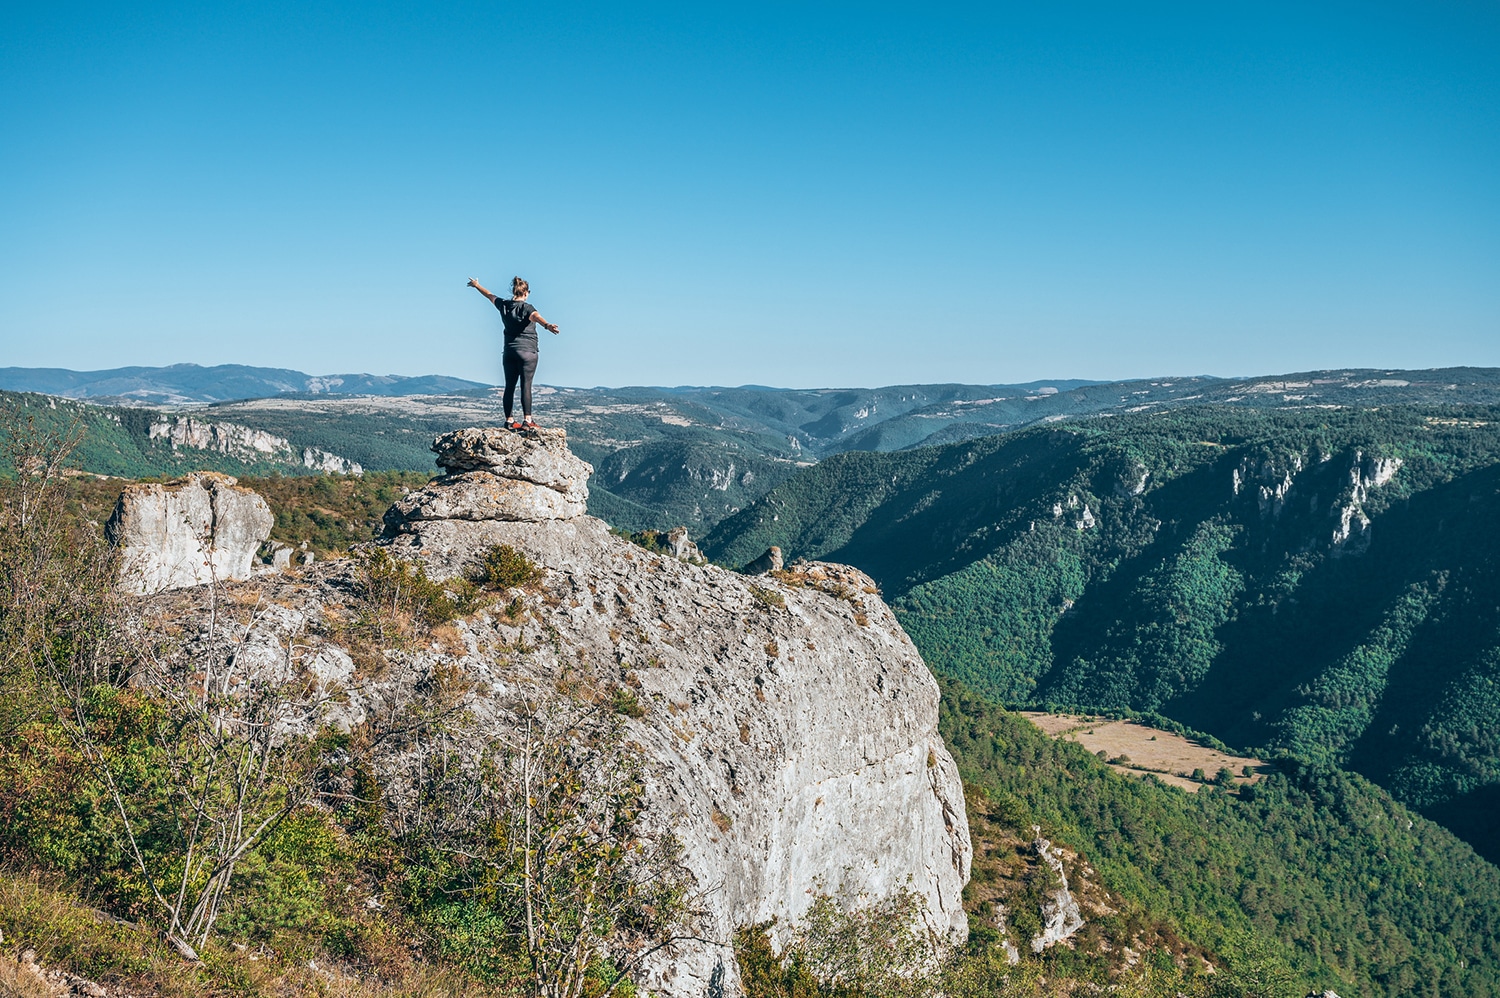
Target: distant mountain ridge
column 185, row 384
column 788, row 423
column 692, row 455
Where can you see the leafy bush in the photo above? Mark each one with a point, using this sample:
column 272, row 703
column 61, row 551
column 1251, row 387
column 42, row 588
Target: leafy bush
column 536, row 862
column 399, row 594
column 503, row 567
column 846, row 946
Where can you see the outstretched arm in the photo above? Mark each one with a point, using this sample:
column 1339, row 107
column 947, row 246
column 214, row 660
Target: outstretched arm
column 481, row 289
column 536, row 317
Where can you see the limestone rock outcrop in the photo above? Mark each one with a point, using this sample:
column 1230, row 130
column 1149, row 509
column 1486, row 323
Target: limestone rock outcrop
column 1351, row 531
column 329, row 463
column 538, row 456
column 480, row 495
column 771, row 561
column 199, row 529
column 1061, row 916
column 788, row 724
column 682, row 547
column 247, row 444
column 494, row 476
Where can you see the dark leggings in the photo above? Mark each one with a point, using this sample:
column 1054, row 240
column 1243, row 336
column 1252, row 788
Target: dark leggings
column 518, row 367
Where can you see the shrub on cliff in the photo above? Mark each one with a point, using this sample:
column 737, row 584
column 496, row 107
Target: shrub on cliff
column 503, row 567
column 399, row 597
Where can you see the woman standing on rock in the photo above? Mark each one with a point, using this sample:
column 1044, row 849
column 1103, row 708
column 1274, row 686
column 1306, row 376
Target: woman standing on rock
column 520, row 320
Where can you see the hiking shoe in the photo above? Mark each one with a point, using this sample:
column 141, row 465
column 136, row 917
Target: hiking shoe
column 530, row 425
column 514, row 426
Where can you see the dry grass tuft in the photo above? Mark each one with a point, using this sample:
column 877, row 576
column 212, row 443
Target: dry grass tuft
column 20, row 980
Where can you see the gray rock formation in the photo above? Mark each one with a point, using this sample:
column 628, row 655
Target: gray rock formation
column 1275, row 479
column 787, row 726
column 495, row 476
column 1061, row 916
column 329, row 463
column 247, row 444
column 199, row 529
column 1351, row 531
column 480, row 495
column 681, row 547
column 790, row 726
column 537, row 456
column 769, row 562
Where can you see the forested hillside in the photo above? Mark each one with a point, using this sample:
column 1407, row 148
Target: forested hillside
column 186, row 383
column 116, row 440
column 1311, row 867
column 1321, row 582
column 816, row 421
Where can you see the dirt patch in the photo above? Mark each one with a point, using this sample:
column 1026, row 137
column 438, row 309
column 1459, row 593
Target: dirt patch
column 1136, row 749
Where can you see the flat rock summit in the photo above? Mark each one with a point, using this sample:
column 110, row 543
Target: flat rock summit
column 788, row 731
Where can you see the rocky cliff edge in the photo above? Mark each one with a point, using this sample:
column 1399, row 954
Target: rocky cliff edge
column 789, row 730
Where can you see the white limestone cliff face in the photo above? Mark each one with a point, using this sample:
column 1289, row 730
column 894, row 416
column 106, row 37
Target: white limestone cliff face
column 1083, row 517
column 1272, row 478
column 247, row 444
column 789, row 732
column 1351, row 532
column 329, row 463
column 1276, row 480
column 189, row 532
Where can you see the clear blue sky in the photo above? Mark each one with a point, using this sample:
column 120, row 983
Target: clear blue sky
column 799, row 195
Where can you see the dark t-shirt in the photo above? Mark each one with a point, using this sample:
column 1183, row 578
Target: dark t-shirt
column 520, row 331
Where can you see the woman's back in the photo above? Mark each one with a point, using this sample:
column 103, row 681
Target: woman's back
column 520, row 330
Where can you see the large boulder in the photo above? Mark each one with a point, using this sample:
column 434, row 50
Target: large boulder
column 199, row 529
column 768, row 562
column 482, row 495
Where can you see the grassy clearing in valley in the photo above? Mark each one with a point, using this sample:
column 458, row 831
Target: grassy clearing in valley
column 1136, row 749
